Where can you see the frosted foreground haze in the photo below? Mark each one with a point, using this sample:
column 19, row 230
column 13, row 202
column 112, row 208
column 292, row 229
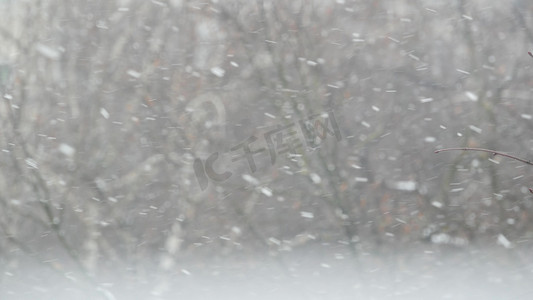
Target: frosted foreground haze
column 266, row 149
column 416, row 274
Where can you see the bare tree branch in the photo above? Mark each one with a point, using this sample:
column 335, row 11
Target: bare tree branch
column 488, row 151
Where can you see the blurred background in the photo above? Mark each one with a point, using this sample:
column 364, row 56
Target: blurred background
column 259, row 149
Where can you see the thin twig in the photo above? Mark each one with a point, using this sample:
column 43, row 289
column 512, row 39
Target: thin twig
column 488, row 151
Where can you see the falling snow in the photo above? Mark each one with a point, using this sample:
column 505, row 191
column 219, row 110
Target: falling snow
column 229, row 150
column 218, row 72
column 67, row 150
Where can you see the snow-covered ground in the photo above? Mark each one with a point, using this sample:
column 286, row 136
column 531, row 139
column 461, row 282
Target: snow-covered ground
column 422, row 273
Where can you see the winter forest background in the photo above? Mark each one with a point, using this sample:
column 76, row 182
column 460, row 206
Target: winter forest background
column 110, row 112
